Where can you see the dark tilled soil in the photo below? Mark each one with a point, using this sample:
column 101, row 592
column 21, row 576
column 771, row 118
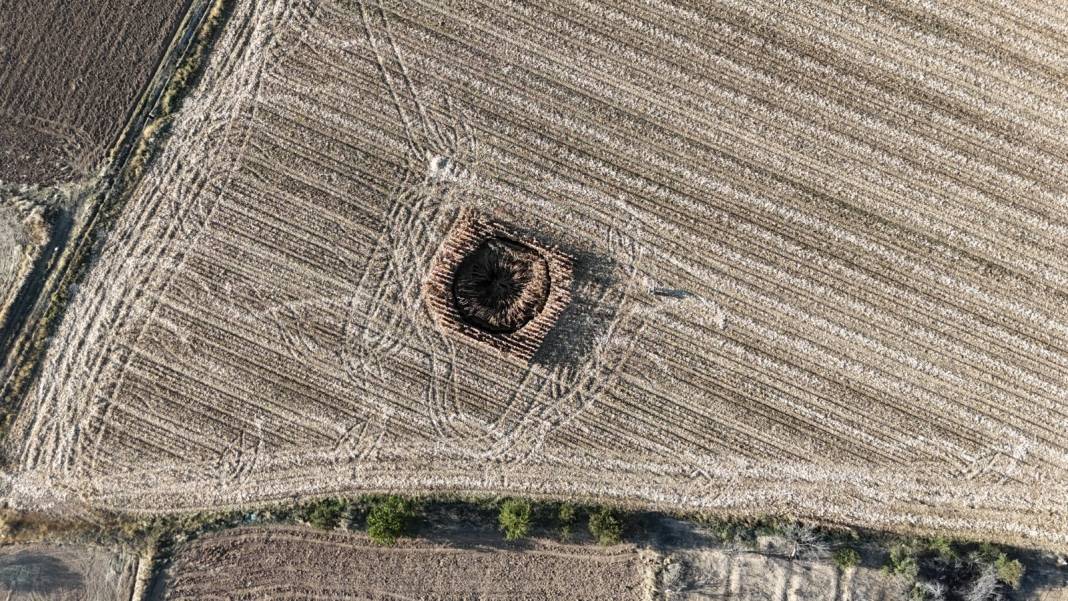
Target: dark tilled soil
column 70, row 74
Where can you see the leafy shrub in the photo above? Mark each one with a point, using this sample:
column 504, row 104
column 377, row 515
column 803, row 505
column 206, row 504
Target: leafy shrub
column 565, row 517
column 1005, row 570
column 943, row 548
column 732, row 532
column 388, row 520
column 324, row 514
column 514, row 519
column 605, row 527
column 1009, row 571
column 902, row 562
column 846, row 557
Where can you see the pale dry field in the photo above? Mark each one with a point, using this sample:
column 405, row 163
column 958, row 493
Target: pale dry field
column 819, row 266
column 302, row 563
column 23, row 232
column 713, row 574
column 41, row 572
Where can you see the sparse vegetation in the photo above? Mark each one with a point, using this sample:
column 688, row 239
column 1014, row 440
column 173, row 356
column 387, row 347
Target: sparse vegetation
column 157, row 127
column 940, row 569
column 514, row 518
column 325, row 514
column 805, row 541
column 389, row 519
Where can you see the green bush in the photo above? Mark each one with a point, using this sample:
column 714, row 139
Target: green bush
column 388, row 520
column 514, row 519
column 902, row 562
column 729, row 531
column 565, row 517
column 324, row 514
column 605, row 527
column 1009, row 571
column 943, row 548
column 846, row 557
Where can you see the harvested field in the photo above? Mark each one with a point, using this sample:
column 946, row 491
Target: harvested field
column 69, row 79
column 819, row 266
column 295, row 562
column 38, row 572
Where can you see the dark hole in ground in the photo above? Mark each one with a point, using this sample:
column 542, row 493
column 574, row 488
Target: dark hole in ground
column 501, row 285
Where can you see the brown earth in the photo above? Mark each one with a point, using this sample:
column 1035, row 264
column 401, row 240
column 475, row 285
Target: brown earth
column 300, row 563
column 70, row 74
column 39, row 572
column 820, row 266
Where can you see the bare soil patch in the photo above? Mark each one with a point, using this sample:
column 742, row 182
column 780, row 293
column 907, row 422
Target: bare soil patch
column 819, row 267
column 23, row 233
column 69, row 77
column 297, row 562
column 39, row 572
column 707, row 574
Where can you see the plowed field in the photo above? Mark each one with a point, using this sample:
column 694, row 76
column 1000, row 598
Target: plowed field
column 70, row 74
column 277, row 563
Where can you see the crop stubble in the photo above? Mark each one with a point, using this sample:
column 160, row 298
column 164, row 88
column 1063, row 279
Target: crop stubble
column 819, row 266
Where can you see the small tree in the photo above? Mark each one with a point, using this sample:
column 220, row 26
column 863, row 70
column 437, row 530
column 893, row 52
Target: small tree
column 565, row 516
column 389, row 519
column 846, row 557
column 514, row 519
column 605, row 527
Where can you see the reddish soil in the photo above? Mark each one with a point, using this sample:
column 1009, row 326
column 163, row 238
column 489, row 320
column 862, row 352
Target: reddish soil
column 69, row 76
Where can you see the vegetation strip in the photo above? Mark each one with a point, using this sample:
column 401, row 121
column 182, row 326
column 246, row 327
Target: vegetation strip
column 924, row 568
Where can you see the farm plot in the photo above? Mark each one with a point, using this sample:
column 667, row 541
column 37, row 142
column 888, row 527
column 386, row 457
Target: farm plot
column 32, row 572
column 817, row 257
column 295, row 562
column 69, row 77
